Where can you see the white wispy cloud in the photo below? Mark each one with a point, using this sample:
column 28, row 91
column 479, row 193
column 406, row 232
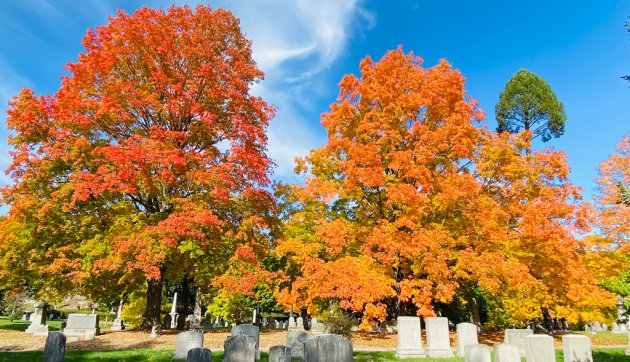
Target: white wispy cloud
column 293, row 43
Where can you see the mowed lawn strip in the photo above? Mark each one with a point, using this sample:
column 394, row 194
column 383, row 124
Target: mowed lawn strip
column 138, row 355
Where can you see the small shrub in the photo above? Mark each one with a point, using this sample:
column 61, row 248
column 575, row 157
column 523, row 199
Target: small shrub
column 340, row 323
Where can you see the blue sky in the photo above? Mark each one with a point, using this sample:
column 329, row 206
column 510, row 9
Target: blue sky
column 581, row 48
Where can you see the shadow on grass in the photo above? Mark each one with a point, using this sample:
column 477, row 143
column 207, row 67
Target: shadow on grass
column 21, row 326
column 132, row 355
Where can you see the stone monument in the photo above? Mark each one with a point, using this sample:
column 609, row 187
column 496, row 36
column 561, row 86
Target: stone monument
column 438, row 338
column 409, row 338
column 119, row 325
column 38, row 325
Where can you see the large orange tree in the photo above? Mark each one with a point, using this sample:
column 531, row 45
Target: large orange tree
column 147, row 162
column 410, row 204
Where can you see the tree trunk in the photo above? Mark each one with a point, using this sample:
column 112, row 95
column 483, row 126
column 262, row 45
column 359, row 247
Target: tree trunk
column 474, row 309
column 154, row 303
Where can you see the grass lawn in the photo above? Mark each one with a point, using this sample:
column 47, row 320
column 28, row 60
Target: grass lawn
column 137, row 355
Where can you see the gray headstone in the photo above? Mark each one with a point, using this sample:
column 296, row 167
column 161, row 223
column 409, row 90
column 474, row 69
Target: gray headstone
column 239, row 348
column 466, row 336
column 577, row 348
column 328, row 348
column 279, row 353
column 198, row 354
column 55, row 348
column 438, row 337
column 295, row 341
column 477, row 353
column 249, row 330
column 539, row 348
column 516, row 337
column 181, row 322
column 409, row 337
column 82, row 327
column 38, row 320
column 506, row 353
column 167, row 321
column 185, row 342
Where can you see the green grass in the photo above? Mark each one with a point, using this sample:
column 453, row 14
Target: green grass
column 20, row 325
column 137, row 355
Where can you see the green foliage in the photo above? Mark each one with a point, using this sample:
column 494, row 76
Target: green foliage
column 133, row 311
column 11, row 304
column 528, row 103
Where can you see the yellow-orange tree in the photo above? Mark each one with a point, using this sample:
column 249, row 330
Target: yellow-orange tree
column 409, row 203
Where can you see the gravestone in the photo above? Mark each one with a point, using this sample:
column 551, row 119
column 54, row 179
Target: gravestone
column 317, row 326
column 328, row 348
column 82, row 327
column 239, row 348
column 280, row 353
column 185, row 342
column 55, row 348
column 516, row 337
column 181, row 322
column 249, row 330
column 466, row 336
column 196, row 319
column 438, row 339
column 119, row 325
column 506, row 353
column 173, row 313
column 38, row 325
column 276, row 324
column 299, row 325
column 539, row 348
column 198, row 354
column 477, row 353
column 577, row 348
column 409, row 338
column 295, row 341
column 167, row 322
column 597, row 327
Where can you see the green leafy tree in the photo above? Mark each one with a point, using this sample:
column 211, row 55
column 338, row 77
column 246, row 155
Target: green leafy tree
column 528, row 103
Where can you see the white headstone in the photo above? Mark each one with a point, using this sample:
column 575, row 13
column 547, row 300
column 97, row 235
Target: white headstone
column 317, row 326
column 466, row 336
column 118, row 324
column 174, row 312
column 251, row 331
column 438, row 338
column 577, row 348
column 477, row 353
column 539, row 348
column 516, row 337
column 81, row 327
column 299, row 324
column 409, row 338
column 186, row 341
column 506, row 353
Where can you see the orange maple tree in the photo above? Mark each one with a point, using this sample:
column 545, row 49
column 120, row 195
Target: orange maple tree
column 410, row 204
column 149, row 159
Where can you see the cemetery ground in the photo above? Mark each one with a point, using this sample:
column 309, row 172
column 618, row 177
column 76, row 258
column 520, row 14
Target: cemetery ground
column 15, row 345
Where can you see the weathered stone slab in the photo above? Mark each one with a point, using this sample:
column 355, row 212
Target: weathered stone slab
column 328, row 348
column 295, row 341
column 516, row 337
column 477, row 353
column 466, row 336
column 409, row 338
column 82, row 327
column 539, row 348
column 506, row 353
column 239, row 348
column 577, row 348
column 249, row 330
column 38, row 325
column 438, row 338
column 280, row 353
column 55, row 348
column 185, row 342
column 198, row 354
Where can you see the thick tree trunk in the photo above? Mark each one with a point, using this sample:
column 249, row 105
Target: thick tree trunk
column 154, row 303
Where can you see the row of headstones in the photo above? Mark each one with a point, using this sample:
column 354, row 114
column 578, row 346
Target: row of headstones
column 77, row 326
column 517, row 343
column 243, row 346
column 594, row 327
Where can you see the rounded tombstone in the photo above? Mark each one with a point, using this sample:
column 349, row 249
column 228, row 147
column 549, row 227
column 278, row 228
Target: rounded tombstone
column 55, row 348
column 199, row 354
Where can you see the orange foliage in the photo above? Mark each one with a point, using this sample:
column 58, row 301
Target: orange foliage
column 409, row 203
